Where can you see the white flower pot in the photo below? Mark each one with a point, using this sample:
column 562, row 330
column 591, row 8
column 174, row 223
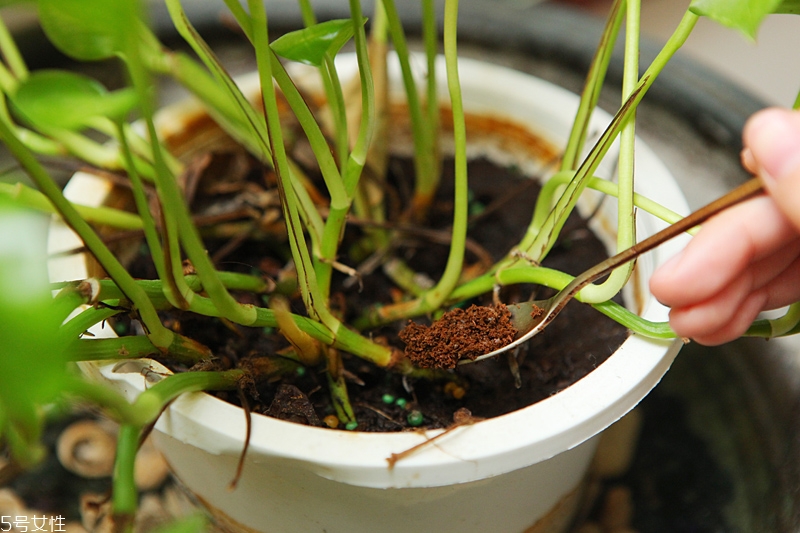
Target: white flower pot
column 519, row 472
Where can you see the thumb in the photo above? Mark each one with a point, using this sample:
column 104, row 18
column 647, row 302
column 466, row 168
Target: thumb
column 772, row 143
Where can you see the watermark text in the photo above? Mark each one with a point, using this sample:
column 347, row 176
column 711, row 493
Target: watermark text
column 32, row 524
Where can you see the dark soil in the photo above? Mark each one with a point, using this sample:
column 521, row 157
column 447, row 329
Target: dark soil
column 576, row 343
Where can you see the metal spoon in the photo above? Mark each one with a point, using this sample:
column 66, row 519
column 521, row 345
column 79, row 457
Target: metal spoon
column 531, row 317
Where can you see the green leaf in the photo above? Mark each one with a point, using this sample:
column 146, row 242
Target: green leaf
column 789, row 7
column 32, row 361
column 88, row 30
column 310, row 44
column 743, row 15
column 63, row 99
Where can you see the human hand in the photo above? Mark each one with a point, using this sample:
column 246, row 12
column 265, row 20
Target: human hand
column 746, row 259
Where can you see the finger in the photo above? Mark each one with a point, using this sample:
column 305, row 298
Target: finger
column 748, row 160
column 773, row 140
column 734, row 328
column 781, row 263
column 727, row 315
column 780, row 292
column 715, row 313
column 774, row 277
column 784, row 289
column 725, row 246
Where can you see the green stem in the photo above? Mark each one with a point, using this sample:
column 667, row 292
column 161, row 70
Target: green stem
column 99, row 155
column 558, row 280
column 333, row 91
column 10, row 51
column 309, row 213
column 343, row 338
column 370, row 199
column 125, row 497
column 322, row 323
column 329, row 247
column 307, row 12
column 314, row 299
column 128, row 347
column 358, row 154
column 431, row 39
column 632, row 321
column 226, row 108
column 425, row 161
column 29, row 197
column 626, row 221
column 334, row 225
column 226, row 103
column 172, row 286
column 241, row 16
column 763, row 328
column 593, row 86
column 538, row 275
column 59, row 141
column 141, row 151
column 168, row 259
column 153, row 400
column 405, row 277
column 109, row 398
column 336, row 104
column 70, row 298
column 433, row 298
column 341, row 401
column 608, row 188
column 178, row 220
column 786, row 323
column 155, row 288
column 455, row 259
column 147, row 407
column 316, row 139
column 161, row 336
column 87, row 318
column 149, row 404
column 8, row 83
column 536, row 245
column 236, row 113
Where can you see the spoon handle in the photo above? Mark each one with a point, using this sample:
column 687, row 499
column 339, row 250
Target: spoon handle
column 747, row 190
column 555, row 304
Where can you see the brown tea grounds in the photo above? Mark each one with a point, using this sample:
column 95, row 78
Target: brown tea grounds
column 459, row 334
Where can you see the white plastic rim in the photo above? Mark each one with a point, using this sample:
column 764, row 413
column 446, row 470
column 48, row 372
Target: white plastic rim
column 487, row 448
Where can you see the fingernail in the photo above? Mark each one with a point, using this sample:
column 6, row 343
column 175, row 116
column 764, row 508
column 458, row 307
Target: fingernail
column 773, row 137
column 748, row 161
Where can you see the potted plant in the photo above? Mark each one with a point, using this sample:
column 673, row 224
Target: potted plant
column 48, row 112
